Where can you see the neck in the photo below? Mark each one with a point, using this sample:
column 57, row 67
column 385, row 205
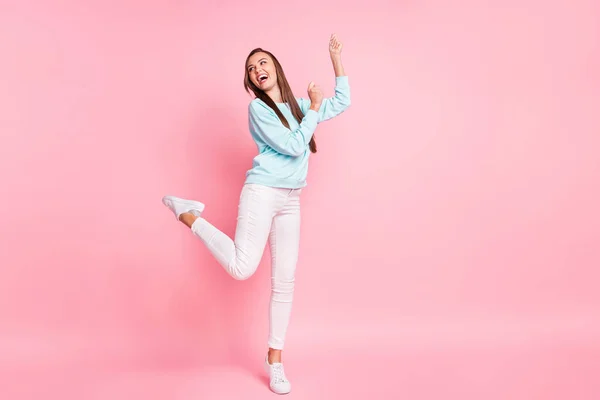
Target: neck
column 275, row 94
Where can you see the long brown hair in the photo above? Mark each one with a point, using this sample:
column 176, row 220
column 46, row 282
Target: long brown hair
column 286, row 94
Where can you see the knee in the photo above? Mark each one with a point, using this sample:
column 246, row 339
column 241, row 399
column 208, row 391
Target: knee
column 242, row 271
column 242, row 275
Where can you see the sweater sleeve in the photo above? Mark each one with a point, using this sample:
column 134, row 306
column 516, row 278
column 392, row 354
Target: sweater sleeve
column 332, row 106
column 268, row 127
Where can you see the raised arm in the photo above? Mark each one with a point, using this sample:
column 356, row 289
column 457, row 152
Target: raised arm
column 333, row 106
column 335, row 52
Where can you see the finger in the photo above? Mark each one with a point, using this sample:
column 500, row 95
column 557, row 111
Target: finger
column 310, row 85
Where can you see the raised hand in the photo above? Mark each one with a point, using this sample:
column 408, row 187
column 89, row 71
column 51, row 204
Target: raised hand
column 316, row 96
column 335, row 46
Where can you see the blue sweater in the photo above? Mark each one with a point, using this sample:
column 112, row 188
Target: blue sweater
column 283, row 153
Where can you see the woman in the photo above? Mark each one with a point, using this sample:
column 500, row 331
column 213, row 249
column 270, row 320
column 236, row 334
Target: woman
column 283, row 129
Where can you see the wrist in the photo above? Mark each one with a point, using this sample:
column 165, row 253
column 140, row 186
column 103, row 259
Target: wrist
column 338, row 67
column 315, row 106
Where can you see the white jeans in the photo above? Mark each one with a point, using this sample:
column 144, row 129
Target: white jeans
column 263, row 213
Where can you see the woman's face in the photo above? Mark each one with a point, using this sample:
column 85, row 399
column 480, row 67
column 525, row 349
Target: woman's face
column 261, row 71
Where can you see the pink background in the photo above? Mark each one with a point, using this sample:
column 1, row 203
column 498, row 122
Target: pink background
column 450, row 244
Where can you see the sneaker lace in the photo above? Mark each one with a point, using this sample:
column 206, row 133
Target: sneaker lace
column 278, row 374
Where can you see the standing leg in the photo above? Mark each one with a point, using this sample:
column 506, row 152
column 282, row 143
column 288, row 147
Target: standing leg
column 285, row 240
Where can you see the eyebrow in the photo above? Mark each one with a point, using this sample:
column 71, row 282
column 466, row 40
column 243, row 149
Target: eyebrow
column 264, row 58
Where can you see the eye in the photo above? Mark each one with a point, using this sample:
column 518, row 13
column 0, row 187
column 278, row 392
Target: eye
column 250, row 69
column 263, row 62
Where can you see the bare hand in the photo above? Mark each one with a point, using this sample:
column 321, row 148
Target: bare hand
column 335, row 46
column 316, row 96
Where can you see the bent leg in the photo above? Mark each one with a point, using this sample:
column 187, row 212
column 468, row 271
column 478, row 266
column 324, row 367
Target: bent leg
column 240, row 257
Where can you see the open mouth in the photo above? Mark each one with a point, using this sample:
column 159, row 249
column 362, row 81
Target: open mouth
column 262, row 78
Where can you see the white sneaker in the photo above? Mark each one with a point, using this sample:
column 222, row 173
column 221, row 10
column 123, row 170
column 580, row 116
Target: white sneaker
column 180, row 206
column 277, row 380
